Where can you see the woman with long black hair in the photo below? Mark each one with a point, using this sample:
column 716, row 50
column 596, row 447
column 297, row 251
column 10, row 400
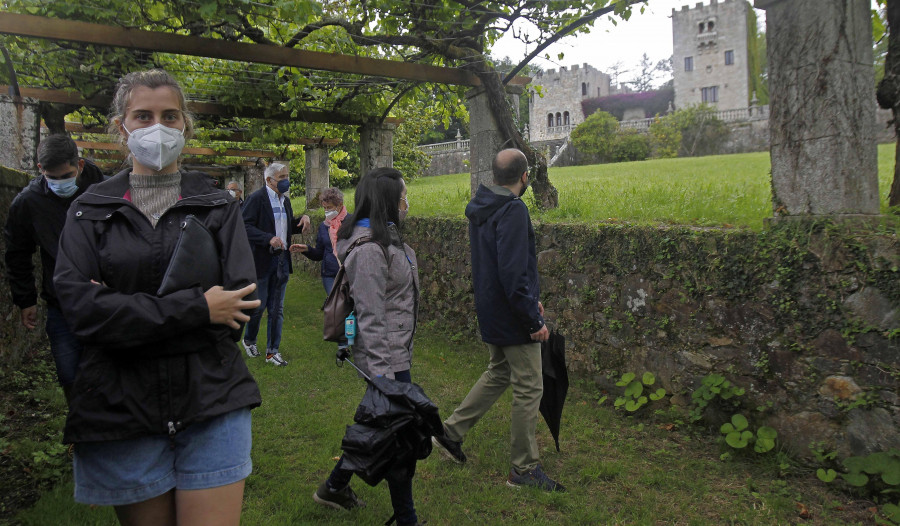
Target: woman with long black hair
column 384, row 284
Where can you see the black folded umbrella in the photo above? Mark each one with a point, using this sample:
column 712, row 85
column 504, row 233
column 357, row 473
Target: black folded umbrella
column 556, row 382
column 394, row 425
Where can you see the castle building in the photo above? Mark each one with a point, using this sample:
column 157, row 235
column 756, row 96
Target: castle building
column 711, row 65
column 710, row 54
column 558, row 111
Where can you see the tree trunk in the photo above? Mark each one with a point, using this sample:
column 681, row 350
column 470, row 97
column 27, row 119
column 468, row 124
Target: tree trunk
column 888, row 93
column 54, row 116
column 545, row 194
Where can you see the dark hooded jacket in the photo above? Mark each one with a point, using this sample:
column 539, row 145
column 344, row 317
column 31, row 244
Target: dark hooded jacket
column 36, row 219
column 150, row 365
column 504, row 267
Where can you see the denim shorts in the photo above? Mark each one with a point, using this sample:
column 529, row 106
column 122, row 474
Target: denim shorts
column 206, row 455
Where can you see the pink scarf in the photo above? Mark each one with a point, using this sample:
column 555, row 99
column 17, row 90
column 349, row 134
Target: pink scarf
column 333, row 225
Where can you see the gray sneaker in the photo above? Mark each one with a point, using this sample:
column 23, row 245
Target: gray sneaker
column 251, row 349
column 535, row 478
column 343, row 499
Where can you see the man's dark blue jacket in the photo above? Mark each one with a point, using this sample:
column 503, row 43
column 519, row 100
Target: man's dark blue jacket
column 324, row 253
column 259, row 220
column 504, row 267
column 36, row 219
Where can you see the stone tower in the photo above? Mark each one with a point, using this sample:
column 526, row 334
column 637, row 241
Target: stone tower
column 555, row 114
column 710, row 54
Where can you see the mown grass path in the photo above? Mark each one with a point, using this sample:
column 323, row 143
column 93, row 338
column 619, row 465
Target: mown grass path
column 620, row 470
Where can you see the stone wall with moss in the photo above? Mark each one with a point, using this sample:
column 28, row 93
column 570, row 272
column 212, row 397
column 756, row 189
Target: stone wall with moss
column 15, row 340
column 805, row 317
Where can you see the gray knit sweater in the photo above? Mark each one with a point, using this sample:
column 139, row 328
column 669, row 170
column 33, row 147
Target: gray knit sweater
column 154, row 194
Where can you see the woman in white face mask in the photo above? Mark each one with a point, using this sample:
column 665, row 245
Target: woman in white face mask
column 160, row 410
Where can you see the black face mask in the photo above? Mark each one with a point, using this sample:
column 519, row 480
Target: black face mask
column 524, row 187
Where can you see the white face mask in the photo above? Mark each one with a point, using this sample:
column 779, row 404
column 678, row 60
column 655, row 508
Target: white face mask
column 156, row 146
column 233, row 193
column 331, row 214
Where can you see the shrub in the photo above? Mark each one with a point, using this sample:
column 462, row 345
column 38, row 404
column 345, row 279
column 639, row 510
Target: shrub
column 595, row 136
column 690, row 132
column 630, row 145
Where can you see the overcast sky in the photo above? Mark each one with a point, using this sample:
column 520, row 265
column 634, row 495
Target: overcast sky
column 606, row 44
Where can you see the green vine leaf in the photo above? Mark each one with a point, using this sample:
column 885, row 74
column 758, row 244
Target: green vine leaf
column 826, row 475
column 625, row 380
column 856, row 479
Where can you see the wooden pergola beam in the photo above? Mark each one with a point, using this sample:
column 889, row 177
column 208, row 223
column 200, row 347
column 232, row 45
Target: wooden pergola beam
column 222, row 136
column 206, row 108
column 154, row 41
column 188, row 150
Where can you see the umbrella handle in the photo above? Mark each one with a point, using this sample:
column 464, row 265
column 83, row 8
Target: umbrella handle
column 343, row 356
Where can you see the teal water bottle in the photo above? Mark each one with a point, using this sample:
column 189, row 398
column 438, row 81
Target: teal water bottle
column 350, row 328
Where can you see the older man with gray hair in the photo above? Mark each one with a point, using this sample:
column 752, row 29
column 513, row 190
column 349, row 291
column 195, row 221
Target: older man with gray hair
column 270, row 223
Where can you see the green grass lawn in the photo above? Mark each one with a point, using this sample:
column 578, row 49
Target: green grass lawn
column 620, row 470
column 733, row 190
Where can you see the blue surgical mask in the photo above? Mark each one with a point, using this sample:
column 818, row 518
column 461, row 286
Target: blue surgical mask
column 283, row 186
column 63, row 187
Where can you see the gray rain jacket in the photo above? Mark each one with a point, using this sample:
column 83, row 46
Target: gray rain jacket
column 384, row 285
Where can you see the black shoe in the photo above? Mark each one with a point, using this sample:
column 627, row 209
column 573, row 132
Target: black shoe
column 450, row 449
column 343, row 499
column 536, row 478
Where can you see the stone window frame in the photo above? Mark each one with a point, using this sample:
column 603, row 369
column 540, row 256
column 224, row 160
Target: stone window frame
column 709, row 94
column 729, row 57
column 688, row 64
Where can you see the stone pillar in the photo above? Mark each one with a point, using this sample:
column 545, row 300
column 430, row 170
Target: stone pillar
column 316, row 172
column 376, row 147
column 821, row 116
column 253, row 178
column 20, row 132
column 484, row 134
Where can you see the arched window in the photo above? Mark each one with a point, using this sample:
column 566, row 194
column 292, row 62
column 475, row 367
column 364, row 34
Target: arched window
column 583, row 89
column 565, row 118
column 702, row 25
column 558, row 119
column 549, row 120
column 711, row 25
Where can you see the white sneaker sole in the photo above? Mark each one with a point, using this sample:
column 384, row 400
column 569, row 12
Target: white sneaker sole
column 446, row 454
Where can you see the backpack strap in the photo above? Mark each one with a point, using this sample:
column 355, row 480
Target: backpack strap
column 361, row 241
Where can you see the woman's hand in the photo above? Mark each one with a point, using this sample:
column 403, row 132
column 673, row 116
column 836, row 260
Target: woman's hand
column 299, row 248
column 225, row 306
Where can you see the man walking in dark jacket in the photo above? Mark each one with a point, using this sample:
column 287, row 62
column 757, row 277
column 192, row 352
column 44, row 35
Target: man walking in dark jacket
column 36, row 219
column 505, row 279
column 270, row 223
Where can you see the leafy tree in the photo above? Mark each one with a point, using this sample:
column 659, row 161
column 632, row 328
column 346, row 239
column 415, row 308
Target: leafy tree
column 692, row 131
column 630, row 145
column 596, row 135
column 456, row 33
column 758, row 62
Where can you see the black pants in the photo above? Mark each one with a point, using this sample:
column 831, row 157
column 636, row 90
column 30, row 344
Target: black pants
column 399, row 480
